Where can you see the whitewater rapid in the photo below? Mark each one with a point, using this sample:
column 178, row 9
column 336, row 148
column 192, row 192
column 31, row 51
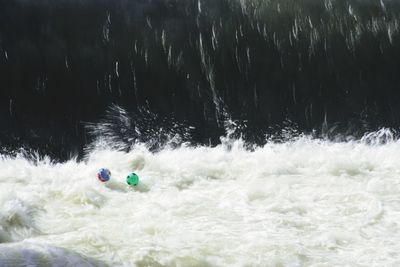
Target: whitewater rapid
column 305, row 202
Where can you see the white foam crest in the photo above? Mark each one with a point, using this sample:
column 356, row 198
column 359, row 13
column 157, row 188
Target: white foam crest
column 300, row 203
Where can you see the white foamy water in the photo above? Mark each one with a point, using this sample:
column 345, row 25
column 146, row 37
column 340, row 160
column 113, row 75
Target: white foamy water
column 301, row 203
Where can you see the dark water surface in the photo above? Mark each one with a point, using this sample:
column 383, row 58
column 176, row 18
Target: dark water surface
column 312, row 65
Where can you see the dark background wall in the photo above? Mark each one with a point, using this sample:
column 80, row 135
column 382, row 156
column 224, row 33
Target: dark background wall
column 313, row 63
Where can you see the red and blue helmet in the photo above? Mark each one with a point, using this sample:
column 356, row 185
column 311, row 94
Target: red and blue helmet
column 104, row 175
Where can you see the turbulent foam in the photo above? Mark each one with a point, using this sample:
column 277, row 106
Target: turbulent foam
column 300, row 203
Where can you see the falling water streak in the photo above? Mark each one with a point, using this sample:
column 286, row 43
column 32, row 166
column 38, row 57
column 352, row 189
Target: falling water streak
column 208, row 70
column 66, row 62
column 10, row 108
column 106, row 28
column 116, row 69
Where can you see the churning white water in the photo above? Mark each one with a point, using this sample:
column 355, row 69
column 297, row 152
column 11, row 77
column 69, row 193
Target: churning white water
column 300, row 203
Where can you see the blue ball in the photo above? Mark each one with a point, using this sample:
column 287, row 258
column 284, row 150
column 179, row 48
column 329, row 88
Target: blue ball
column 104, row 175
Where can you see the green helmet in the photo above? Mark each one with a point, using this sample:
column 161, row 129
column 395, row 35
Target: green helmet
column 132, row 179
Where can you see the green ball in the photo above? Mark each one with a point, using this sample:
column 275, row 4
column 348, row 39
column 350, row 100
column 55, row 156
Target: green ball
column 132, row 179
